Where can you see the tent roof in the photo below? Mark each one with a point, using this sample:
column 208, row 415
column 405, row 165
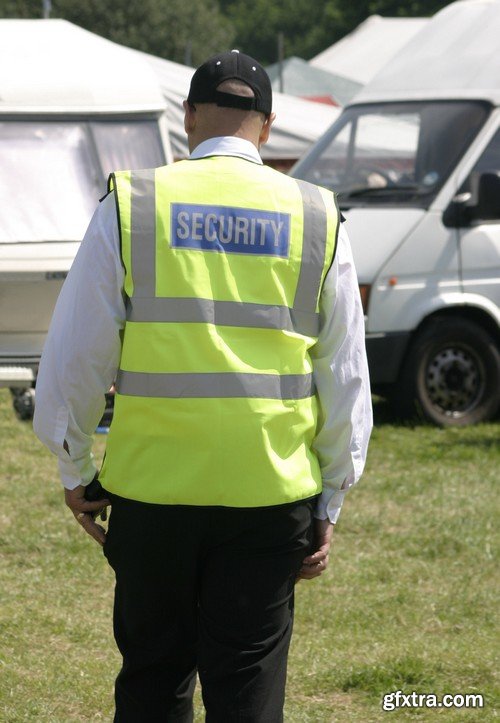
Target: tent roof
column 454, row 56
column 300, row 78
column 362, row 53
column 298, row 122
column 53, row 66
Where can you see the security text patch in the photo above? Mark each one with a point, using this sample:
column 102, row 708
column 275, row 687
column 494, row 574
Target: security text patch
column 228, row 229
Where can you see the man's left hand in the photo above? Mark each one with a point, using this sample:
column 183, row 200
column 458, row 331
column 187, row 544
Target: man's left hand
column 315, row 564
column 85, row 512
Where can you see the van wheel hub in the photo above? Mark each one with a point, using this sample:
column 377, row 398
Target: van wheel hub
column 453, row 380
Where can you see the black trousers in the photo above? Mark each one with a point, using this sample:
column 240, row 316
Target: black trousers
column 207, row 590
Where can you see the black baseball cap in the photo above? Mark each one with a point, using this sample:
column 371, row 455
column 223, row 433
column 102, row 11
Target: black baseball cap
column 232, row 65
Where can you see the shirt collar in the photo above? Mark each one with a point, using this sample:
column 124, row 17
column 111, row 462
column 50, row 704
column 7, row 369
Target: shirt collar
column 227, row 146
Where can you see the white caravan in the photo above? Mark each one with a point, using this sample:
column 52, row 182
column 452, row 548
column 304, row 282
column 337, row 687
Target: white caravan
column 73, row 107
column 416, row 162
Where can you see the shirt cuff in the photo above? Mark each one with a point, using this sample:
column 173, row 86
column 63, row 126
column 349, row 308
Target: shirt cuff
column 329, row 505
column 73, row 475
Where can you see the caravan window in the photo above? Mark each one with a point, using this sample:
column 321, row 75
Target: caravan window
column 387, row 152
column 52, row 173
column 132, row 144
column 48, row 181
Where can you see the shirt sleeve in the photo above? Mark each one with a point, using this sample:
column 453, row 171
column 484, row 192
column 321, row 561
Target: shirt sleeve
column 340, row 371
column 87, row 320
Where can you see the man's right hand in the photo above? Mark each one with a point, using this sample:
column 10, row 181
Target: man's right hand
column 85, row 511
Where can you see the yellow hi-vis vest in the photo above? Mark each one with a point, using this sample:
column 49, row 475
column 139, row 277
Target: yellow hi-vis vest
column 224, row 263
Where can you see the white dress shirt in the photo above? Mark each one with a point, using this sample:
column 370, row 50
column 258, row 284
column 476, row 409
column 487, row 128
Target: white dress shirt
column 82, row 353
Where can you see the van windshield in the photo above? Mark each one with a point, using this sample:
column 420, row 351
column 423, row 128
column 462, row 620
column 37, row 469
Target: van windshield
column 52, row 173
column 392, row 152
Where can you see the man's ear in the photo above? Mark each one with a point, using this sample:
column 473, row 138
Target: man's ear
column 189, row 117
column 266, row 129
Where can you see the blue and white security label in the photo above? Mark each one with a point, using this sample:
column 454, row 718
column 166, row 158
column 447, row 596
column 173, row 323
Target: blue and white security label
column 228, row 229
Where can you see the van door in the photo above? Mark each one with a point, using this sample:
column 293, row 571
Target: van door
column 480, row 242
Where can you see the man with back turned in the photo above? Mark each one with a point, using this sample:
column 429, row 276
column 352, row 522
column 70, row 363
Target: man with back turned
column 220, row 297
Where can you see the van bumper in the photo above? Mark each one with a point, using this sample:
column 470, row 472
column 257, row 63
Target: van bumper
column 385, row 355
column 18, row 371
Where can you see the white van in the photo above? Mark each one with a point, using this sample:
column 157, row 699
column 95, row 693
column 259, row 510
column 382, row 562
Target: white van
column 415, row 160
column 73, row 107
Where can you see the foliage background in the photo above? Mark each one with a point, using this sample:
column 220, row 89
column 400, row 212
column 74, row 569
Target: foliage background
column 188, row 32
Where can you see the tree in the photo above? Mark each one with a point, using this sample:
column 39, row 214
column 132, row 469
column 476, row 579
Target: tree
column 171, row 29
column 175, row 28
column 352, row 14
column 309, row 26
column 23, row 9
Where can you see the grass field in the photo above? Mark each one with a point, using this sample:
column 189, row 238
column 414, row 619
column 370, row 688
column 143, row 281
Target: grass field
column 410, row 601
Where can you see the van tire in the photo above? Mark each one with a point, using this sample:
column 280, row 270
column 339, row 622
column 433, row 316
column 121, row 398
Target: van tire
column 452, row 374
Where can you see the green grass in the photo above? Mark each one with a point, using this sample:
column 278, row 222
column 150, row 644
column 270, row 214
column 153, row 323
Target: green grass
column 409, row 601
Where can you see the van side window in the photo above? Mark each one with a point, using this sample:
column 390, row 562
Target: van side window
column 490, row 158
column 488, row 162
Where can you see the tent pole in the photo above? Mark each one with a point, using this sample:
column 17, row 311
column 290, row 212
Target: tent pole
column 281, row 45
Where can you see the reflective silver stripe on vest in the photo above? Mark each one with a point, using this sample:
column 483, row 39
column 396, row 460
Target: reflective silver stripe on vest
column 145, row 307
column 215, row 385
column 313, row 248
column 222, row 313
column 143, row 232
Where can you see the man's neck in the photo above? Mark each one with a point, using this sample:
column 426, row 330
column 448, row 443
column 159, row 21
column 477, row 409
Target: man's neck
column 227, row 146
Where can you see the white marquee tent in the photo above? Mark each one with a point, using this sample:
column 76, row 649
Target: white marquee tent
column 303, row 80
column 55, row 63
column 361, row 54
column 298, row 122
column 55, row 80
column 454, row 56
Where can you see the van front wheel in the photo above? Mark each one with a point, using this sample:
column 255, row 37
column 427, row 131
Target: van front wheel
column 453, row 373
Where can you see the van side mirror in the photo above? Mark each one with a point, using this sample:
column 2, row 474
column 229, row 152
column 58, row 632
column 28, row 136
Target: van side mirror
column 462, row 211
column 458, row 213
column 488, row 197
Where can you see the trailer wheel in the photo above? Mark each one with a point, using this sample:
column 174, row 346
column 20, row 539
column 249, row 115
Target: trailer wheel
column 453, row 373
column 23, row 401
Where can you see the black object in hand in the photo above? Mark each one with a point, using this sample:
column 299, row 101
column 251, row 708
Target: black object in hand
column 94, row 491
